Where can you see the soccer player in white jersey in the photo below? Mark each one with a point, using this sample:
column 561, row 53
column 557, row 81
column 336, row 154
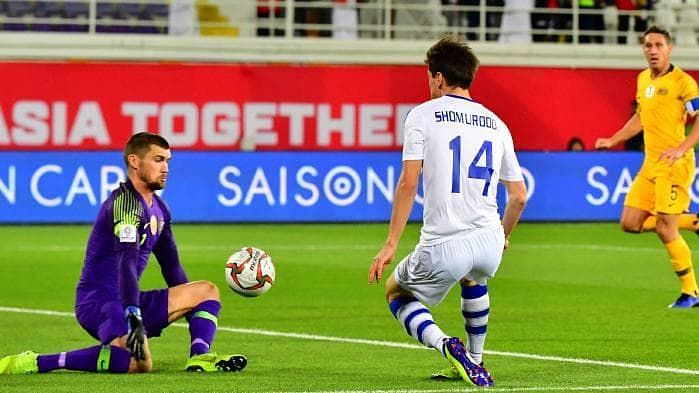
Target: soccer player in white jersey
column 462, row 150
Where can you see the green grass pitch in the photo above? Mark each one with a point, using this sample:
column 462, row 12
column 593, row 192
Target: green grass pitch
column 574, row 307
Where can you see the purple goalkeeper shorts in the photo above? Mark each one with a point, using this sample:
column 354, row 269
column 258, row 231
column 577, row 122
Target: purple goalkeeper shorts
column 105, row 320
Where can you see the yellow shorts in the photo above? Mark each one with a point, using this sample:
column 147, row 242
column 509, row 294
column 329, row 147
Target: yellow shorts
column 658, row 188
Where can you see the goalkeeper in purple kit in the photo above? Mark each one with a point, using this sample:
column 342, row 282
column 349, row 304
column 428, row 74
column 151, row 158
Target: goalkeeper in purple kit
column 133, row 223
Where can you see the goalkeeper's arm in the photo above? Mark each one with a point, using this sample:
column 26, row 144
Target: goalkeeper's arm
column 128, row 283
column 136, row 338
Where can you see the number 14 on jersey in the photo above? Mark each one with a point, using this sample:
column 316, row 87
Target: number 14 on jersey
column 475, row 171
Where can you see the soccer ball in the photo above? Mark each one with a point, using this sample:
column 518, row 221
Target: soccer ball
column 250, row 272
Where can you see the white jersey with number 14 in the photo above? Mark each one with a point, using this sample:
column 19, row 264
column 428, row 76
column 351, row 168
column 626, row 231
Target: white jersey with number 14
column 466, row 150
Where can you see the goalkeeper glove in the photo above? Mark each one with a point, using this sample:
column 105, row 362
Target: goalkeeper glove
column 136, row 339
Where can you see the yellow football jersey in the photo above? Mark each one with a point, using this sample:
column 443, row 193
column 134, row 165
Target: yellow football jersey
column 662, row 106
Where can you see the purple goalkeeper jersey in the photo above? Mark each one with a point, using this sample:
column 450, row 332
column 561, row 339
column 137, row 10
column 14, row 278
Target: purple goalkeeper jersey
column 124, row 235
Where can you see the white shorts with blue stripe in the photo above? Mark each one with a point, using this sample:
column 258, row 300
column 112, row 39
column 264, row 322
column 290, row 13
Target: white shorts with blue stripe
column 429, row 272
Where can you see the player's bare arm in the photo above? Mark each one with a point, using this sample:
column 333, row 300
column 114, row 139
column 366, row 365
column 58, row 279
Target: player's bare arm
column 403, row 200
column 628, row 131
column 516, row 201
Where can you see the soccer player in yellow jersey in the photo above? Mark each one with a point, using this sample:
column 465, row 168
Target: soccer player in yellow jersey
column 659, row 196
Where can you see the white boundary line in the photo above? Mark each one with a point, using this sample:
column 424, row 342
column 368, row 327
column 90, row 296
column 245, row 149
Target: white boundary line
column 392, row 344
column 523, row 389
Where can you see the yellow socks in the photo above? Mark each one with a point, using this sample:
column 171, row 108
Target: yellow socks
column 681, row 260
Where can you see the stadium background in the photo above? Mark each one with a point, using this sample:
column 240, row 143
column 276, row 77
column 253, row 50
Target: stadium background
column 293, row 127
column 292, row 142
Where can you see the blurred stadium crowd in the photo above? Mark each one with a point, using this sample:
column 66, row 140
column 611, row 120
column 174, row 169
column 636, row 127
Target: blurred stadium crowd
column 511, row 21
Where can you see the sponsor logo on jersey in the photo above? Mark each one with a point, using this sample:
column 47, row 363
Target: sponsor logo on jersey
column 127, row 233
column 153, row 224
column 650, row 91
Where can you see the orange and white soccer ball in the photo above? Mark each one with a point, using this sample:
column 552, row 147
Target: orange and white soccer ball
column 250, row 272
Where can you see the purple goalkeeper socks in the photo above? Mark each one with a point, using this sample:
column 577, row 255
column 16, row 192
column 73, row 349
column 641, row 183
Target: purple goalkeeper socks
column 202, row 326
column 104, row 358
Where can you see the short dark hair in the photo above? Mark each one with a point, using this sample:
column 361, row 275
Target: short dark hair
column 140, row 143
column 658, row 30
column 454, row 59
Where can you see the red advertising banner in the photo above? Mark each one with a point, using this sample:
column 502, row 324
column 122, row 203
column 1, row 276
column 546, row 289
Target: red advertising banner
column 96, row 106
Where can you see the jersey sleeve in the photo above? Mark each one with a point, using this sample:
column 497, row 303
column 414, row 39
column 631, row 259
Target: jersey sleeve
column 414, row 140
column 638, row 95
column 127, row 211
column 690, row 96
column 510, row 169
column 165, row 251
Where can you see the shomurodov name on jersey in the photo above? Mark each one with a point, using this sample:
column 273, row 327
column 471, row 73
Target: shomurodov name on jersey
column 462, row 117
